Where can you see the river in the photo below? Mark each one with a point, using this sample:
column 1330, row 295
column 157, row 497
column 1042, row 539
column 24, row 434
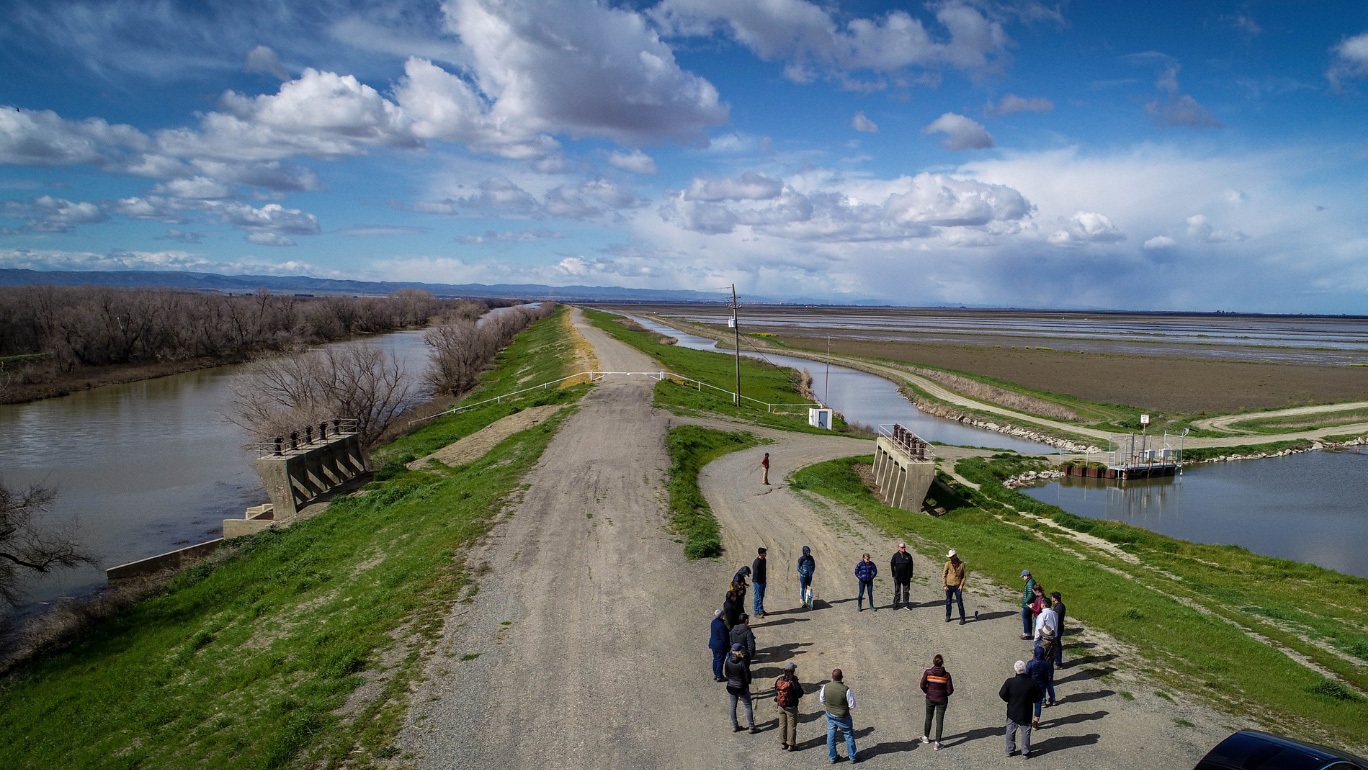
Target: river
column 143, row 468
column 1305, row 507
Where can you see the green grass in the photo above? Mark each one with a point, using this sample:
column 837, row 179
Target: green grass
column 759, row 380
column 1193, row 454
column 1302, row 421
column 691, row 448
column 251, row 663
column 1146, row 604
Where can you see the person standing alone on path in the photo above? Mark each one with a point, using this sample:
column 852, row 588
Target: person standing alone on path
column 900, row 567
column 865, row 570
column 719, row 642
column 938, row 685
column 787, row 692
column 1019, row 692
column 758, row 569
column 839, row 701
column 737, row 671
column 952, row 576
column 764, row 469
column 1027, row 596
column 806, row 567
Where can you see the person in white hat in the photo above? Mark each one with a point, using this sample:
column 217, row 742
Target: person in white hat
column 952, row 576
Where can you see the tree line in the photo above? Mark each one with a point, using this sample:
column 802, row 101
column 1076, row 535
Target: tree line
column 50, row 330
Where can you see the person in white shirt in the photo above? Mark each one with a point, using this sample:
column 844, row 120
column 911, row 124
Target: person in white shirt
column 839, row 701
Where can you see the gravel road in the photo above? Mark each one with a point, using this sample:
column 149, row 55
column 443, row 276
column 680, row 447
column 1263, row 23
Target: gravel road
column 586, row 644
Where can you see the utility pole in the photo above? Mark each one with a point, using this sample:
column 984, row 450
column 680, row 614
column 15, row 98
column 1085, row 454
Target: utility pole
column 736, row 327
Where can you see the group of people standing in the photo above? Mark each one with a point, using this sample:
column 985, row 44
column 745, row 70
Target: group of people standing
column 733, row 644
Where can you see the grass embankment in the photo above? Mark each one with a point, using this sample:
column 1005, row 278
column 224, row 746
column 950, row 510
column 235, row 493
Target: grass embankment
column 1200, row 454
column 260, row 661
column 759, row 380
column 1295, row 422
column 692, row 448
column 1195, row 613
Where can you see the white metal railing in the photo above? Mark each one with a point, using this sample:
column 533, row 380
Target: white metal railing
column 909, row 442
column 596, row 376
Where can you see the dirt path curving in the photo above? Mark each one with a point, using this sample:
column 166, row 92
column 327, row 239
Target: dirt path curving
column 585, row 646
column 1226, row 421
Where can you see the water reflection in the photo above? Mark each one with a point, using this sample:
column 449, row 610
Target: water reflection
column 1306, row 507
column 868, row 399
column 142, row 468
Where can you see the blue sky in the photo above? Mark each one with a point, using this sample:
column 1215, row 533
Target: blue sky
column 1167, row 156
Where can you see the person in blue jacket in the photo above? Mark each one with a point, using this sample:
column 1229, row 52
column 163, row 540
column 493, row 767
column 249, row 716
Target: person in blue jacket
column 719, row 643
column 865, row 570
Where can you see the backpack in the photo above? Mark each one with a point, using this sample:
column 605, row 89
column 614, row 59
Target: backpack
column 786, row 694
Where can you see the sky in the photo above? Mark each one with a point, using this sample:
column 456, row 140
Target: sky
column 1093, row 155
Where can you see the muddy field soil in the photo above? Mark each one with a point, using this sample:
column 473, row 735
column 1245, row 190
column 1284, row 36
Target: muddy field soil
column 1171, row 385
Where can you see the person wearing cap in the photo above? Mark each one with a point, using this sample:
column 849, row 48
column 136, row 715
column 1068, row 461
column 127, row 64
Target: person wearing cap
column 759, row 568
column 1027, row 596
column 900, row 567
column 806, row 567
column 737, row 672
column 839, row 701
column 865, row 572
column 742, row 634
column 1057, row 604
column 952, row 576
column 1020, row 694
column 787, row 692
column 719, row 642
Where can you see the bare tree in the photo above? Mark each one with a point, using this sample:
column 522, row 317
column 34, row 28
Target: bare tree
column 355, row 381
column 27, row 546
column 460, row 350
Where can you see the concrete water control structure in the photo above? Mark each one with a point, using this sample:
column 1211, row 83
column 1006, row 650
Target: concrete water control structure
column 300, row 468
column 904, row 467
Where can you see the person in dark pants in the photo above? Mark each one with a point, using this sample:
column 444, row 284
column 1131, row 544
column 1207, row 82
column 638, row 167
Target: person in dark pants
column 807, row 566
column 737, row 671
column 953, row 575
column 1059, row 634
column 1027, row 596
column 758, row 569
column 865, row 571
column 900, row 567
column 1039, row 672
column 731, row 609
column 1019, row 692
column 719, row 642
column 938, row 685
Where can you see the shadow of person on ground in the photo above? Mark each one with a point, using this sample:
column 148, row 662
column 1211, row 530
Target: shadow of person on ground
column 1060, row 743
column 890, row 747
column 994, row 616
column 782, row 652
column 1073, row 719
column 784, row 622
column 1086, row 696
column 821, row 741
column 1085, row 674
column 970, row 736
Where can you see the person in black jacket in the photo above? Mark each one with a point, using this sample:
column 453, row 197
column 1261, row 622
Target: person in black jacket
column 900, row 567
column 738, row 686
column 731, row 610
column 1058, row 605
column 1020, row 693
column 743, row 635
column 758, row 569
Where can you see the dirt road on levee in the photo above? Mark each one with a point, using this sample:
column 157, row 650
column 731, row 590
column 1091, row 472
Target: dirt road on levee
column 586, row 645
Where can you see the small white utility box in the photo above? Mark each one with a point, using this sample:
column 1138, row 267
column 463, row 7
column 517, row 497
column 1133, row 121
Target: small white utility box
column 820, row 418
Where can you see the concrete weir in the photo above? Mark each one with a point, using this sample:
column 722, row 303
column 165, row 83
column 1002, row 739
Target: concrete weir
column 904, row 468
column 296, row 472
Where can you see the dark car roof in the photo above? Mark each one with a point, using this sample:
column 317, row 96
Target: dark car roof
column 1254, row 750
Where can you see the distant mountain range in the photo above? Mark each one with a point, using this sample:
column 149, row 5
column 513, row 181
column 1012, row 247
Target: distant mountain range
column 301, row 284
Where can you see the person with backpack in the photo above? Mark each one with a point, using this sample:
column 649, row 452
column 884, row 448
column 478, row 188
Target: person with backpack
column 787, row 692
column 737, row 671
column 865, row 571
column 719, row 642
column 938, row 685
column 900, row 567
column 807, row 566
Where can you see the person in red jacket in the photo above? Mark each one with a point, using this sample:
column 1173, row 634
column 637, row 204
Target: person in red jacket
column 938, row 685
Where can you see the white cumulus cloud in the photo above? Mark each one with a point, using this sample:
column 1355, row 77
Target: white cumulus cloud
column 1160, row 242
column 1086, row 227
column 863, row 124
column 635, row 161
column 1011, row 104
column 1349, row 59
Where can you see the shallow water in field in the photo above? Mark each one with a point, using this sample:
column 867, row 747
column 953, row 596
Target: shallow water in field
column 868, row 399
column 1306, row 507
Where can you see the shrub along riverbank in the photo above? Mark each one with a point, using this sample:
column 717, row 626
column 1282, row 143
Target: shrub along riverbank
column 1214, row 622
column 298, row 649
